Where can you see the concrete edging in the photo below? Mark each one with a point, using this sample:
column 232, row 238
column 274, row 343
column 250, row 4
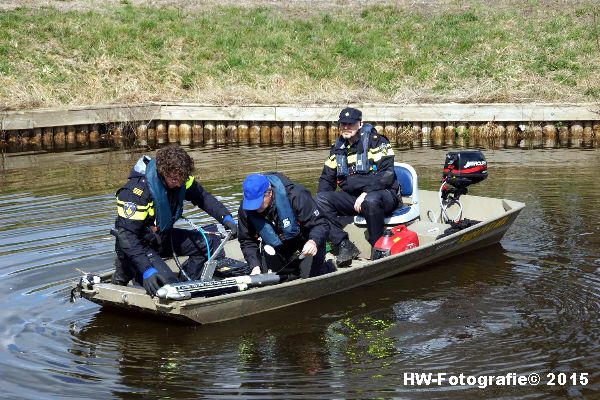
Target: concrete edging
column 452, row 112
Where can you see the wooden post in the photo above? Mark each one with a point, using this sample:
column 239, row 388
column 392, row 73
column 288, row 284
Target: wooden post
column 210, row 134
column 461, row 134
column 309, row 133
column 221, row 132
column 141, row 134
column 576, row 134
column 94, row 135
column 287, row 133
column 297, row 133
column 254, row 133
column 437, row 134
column 265, row 132
column 83, row 135
column 500, row 134
column 333, row 132
column 471, row 138
column 417, row 134
column 588, row 134
column 173, row 132
column 59, row 137
column 276, row 134
column 231, row 133
column 449, row 134
column 48, row 138
column 197, row 133
column 512, row 134
column 404, row 135
column 14, row 144
column 596, row 129
column 390, row 131
column 25, row 138
column 563, row 135
column 117, row 133
column 151, row 133
column 538, row 135
column 425, row 133
column 161, row 132
column 36, row 138
column 185, row 133
column 549, row 135
column 321, row 133
column 242, row 133
column 71, row 137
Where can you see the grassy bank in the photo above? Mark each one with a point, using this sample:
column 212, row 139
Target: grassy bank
column 472, row 52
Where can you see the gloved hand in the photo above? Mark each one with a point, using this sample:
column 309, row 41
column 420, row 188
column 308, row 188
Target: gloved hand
column 229, row 223
column 153, row 281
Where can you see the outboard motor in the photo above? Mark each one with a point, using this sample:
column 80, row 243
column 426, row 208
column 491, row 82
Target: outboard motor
column 464, row 168
column 461, row 169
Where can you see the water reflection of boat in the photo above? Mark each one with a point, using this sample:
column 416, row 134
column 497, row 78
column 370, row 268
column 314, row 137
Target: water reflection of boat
column 495, row 216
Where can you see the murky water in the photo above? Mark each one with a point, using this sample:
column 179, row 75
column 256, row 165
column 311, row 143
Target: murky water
column 528, row 305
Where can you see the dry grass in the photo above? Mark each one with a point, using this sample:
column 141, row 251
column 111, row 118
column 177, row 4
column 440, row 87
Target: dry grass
column 501, row 51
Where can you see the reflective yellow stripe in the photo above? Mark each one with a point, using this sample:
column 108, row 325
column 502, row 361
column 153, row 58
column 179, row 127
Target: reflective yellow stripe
column 141, row 208
column 189, row 182
column 374, row 155
column 378, row 153
column 331, row 162
column 140, row 214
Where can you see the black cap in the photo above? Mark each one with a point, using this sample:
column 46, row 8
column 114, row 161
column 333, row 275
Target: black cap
column 350, row 115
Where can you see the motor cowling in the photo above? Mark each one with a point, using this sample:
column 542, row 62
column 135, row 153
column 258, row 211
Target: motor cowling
column 395, row 240
column 464, row 168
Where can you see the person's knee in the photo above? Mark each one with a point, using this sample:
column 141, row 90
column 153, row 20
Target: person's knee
column 371, row 205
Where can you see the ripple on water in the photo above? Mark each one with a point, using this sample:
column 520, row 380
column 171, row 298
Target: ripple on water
column 530, row 305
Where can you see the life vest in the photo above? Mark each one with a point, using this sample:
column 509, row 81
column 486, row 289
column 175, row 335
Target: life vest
column 362, row 153
column 162, row 210
column 285, row 214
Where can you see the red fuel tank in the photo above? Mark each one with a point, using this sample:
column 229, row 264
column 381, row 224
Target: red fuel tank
column 395, row 240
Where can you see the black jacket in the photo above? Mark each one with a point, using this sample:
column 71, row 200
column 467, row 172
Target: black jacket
column 136, row 231
column 312, row 224
column 380, row 177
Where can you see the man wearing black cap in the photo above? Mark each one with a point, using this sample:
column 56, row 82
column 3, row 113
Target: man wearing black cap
column 361, row 163
column 286, row 218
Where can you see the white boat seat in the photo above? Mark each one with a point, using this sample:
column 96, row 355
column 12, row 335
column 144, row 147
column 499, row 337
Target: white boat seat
column 409, row 211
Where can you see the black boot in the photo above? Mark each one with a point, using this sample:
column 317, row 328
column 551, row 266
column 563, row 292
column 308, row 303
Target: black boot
column 122, row 274
column 348, row 252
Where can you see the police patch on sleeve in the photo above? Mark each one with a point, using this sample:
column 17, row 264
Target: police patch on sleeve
column 129, row 209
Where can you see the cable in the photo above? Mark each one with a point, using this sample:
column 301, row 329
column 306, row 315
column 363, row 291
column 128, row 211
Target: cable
column 202, row 233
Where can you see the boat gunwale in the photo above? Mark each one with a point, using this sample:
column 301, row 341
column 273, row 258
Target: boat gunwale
column 178, row 308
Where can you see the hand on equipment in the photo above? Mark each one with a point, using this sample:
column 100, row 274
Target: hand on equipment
column 310, row 248
column 359, row 201
column 255, row 271
column 153, row 281
column 230, row 224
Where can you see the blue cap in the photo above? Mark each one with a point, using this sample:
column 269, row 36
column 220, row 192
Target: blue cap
column 254, row 188
column 350, row 115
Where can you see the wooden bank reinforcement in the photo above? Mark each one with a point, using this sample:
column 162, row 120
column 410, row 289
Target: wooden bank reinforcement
column 157, row 124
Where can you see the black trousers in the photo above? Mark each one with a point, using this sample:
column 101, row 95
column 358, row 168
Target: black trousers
column 183, row 242
column 374, row 208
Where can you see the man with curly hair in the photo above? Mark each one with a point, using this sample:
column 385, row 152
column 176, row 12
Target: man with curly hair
column 148, row 206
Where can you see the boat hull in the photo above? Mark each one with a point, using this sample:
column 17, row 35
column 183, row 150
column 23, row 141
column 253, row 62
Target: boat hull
column 498, row 218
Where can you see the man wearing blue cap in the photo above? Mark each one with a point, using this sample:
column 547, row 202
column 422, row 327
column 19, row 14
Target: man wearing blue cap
column 285, row 217
column 361, row 163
